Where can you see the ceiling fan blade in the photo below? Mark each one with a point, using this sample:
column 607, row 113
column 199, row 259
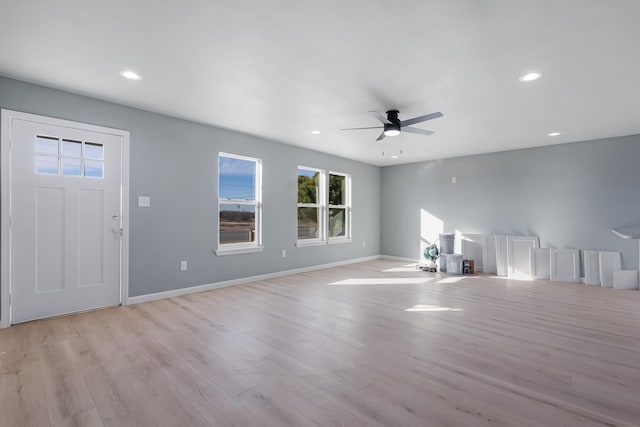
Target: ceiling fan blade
column 421, row 119
column 381, row 137
column 374, row 127
column 418, row 131
column 380, row 117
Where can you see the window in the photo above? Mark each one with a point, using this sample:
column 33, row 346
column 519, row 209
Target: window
column 55, row 156
column 239, row 204
column 310, row 195
column 339, row 214
column 324, row 207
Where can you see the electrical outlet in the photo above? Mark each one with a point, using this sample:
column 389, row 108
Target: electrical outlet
column 284, row 253
column 144, row 201
column 183, row 265
column 454, row 179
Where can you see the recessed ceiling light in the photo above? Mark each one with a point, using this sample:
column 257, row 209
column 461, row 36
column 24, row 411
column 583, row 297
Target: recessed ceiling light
column 394, row 157
column 315, row 132
column 131, row 75
column 553, row 134
column 529, row 77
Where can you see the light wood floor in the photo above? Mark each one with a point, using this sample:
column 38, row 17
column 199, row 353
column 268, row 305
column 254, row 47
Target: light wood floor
column 336, row 348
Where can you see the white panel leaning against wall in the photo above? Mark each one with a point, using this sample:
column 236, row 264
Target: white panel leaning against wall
column 521, row 258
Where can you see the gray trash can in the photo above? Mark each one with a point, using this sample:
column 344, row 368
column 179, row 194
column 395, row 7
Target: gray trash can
column 454, row 264
column 446, row 243
column 443, row 263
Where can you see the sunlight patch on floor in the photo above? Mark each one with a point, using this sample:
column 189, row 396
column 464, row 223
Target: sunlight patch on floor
column 383, row 281
column 430, row 308
column 404, row 269
column 450, row 279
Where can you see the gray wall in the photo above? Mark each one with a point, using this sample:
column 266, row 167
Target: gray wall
column 570, row 195
column 175, row 162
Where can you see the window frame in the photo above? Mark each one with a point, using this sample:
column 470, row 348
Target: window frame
column 320, row 205
column 243, row 247
column 61, row 156
column 324, row 206
column 347, row 208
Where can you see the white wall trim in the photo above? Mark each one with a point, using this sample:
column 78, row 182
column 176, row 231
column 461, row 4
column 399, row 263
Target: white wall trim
column 124, row 206
column 6, row 118
column 217, row 285
column 5, row 128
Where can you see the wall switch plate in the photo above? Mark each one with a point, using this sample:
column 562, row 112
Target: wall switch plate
column 364, row 244
column 454, row 179
column 144, row 201
column 284, row 253
column 183, row 265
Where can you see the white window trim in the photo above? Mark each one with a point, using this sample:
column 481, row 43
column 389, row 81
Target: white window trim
column 308, row 242
column 249, row 247
column 321, row 205
column 238, row 250
column 347, row 207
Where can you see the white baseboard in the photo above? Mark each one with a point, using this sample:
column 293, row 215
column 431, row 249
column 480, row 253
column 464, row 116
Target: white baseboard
column 217, row 285
column 399, row 258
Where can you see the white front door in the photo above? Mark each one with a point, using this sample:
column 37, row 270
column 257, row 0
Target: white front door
column 66, row 218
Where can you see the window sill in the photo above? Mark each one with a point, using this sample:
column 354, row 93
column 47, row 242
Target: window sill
column 236, row 251
column 305, row 243
column 339, row 241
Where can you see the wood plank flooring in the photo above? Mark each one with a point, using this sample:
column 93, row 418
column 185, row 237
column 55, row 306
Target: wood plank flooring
column 370, row 344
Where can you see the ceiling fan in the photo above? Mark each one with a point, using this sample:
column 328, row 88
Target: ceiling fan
column 393, row 125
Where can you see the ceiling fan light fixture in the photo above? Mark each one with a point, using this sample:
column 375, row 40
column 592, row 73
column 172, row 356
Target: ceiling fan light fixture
column 130, row 75
column 529, row 77
column 391, row 132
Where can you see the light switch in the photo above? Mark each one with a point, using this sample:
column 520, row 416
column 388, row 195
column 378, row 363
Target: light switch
column 144, row 201
column 183, row 265
column 454, row 179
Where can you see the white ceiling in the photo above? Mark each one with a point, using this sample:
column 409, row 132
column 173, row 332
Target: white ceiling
column 281, row 68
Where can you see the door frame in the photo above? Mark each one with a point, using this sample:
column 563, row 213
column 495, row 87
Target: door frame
column 6, row 176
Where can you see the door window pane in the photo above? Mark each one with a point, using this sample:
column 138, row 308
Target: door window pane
column 46, row 145
column 94, row 168
column 71, row 148
column 93, row 151
column 237, row 223
column 47, row 165
column 71, row 167
column 308, row 223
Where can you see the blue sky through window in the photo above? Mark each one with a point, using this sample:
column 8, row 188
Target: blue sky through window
column 237, row 178
column 306, row 172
